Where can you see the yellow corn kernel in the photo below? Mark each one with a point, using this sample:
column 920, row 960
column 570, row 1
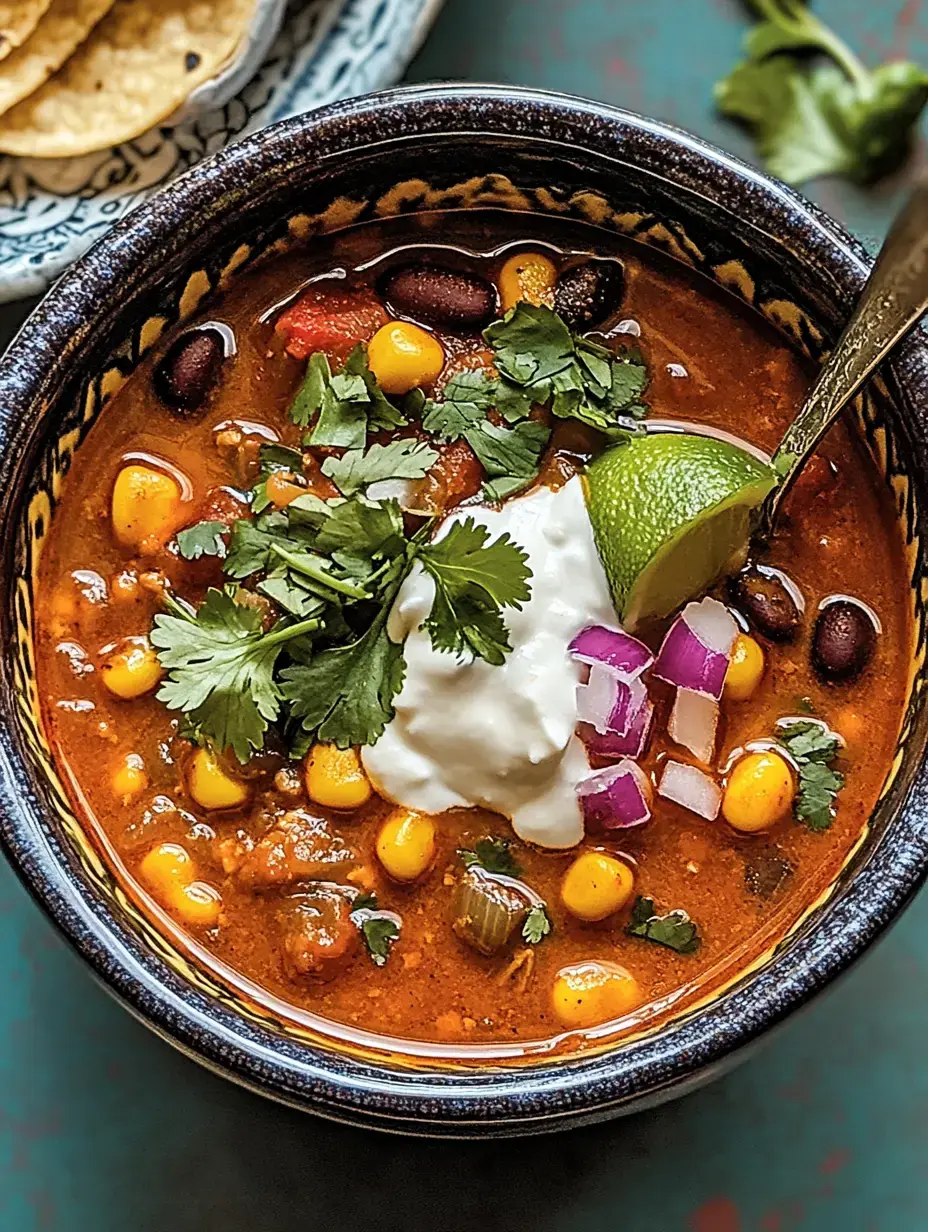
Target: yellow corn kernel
column 166, row 865
column 145, row 508
column 197, row 904
column 172, row 874
column 588, row 993
column 402, row 356
column 596, row 885
column 527, row 276
column 746, row 669
column 131, row 668
column 759, row 792
column 335, row 777
column 406, row 844
column 129, row 778
column 209, row 784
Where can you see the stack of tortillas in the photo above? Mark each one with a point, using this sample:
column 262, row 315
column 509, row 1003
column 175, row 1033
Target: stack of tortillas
column 82, row 75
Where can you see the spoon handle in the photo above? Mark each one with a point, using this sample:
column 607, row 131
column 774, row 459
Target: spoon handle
column 895, row 296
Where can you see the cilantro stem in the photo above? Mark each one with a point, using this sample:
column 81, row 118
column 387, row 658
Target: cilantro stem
column 305, row 565
column 793, row 16
column 290, row 631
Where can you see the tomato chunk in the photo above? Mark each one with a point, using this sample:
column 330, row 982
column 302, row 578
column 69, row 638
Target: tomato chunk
column 330, row 321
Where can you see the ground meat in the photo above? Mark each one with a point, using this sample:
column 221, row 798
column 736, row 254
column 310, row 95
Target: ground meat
column 298, row 847
column 316, row 931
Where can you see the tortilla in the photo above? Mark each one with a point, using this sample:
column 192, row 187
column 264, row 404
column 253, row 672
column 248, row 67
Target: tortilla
column 18, row 18
column 137, row 67
column 63, row 28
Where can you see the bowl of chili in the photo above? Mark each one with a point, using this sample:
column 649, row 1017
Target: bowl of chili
column 242, row 288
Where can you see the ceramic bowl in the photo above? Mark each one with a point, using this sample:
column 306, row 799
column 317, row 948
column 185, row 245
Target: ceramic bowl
column 457, row 147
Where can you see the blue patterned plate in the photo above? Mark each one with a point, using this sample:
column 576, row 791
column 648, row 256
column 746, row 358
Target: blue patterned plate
column 52, row 210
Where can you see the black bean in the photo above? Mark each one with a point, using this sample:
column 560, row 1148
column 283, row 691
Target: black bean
column 445, row 298
column 765, row 871
column 843, row 641
column 190, row 368
column 764, row 598
column 585, row 295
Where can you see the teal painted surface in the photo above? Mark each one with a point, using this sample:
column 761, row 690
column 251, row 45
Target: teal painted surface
column 105, row 1129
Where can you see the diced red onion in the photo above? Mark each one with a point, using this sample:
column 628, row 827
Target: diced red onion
column 610, row 703
column 617, row 797
column 612, row 648
column 631, row 744
column 693, row 723
column 696, row 651
column 689, row 787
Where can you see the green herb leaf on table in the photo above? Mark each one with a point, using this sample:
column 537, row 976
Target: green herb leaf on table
column 537, row 925
column 675, row 930
column 202, row 539
column 405, row 458
column 220, row 668
column 493, row 854
column 812, row 745
column 811, row 117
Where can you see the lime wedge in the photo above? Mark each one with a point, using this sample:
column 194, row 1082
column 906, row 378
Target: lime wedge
column 671, row 513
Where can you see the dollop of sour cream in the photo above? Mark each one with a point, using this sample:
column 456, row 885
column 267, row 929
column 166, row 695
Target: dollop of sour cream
column 467, row 733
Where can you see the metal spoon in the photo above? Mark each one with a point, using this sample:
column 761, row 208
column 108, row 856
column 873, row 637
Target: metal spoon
column 894, row 298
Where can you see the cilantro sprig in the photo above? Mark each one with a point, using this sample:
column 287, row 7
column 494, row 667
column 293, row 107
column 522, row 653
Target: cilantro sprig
column 675, row 930
column 379, row 929
column 220, row 667
column 493, row 854
column 348, row 404
column 814, row 108
column 334, row 569
column 812, row 745
column 405, row 458
column 539, row 362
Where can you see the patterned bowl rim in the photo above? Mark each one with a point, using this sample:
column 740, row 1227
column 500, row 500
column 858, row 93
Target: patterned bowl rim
column 489, row 1100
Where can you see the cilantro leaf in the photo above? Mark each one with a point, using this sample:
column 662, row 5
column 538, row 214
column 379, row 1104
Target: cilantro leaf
column 379, row 933
column 347, row 404
column 675, row 930
column 251, row 548
column 202, row 539
column 220, row 668
column 493, row 854
column 287, row 590
column 531, row 344
column 473, row 582
column 405, row 458
column 537, row 925
column 379, row 929
column 812, row 118
column 536, row 353
column 345, row 694
column 812, row 745
column 510, row 453
column 311, row 394
column 362, row 528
